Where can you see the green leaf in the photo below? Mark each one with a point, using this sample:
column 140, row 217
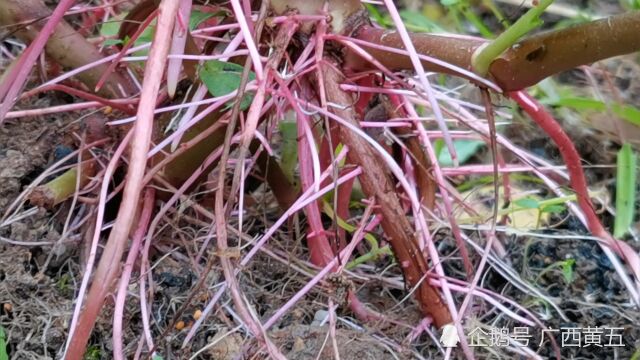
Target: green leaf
column 626, row 112
column 93, row 353
column 527, row 203
column 156, row 357
column 289, row 158
column 567, row 270
column 375, row 14
column 631, row 4
column 110, row 28
column 438, row 145
column 198, row 17
column 416, row 21
column 110, row 42
column 144, row 38
column 449, row 2
column 327, row 209
column 625, row 190
column 147, row 34
column 222, row 78
column 464, row 148
column 553, row 209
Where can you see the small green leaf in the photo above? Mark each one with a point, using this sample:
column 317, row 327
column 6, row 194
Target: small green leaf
column 464, row 148
column 327, row 209
column 438, row 145
column 144, row 38
column 289, row 158
column 63, row 282
column 553, row 209
column 625, row 190
column 198, row 17
column 110, row 28
column 156, row 357
column 626, row 112
column 375, row 14
column 110, row 42
column 93, row 353
column 449, row 2
column 567, row 270
column 416, row 21
column 147, row 34
column 527, row 203
column 222, row 78
column 631, row 4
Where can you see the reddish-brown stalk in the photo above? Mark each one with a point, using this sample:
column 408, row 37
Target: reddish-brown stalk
column 377, row 183
column 423, row 167
column 122, row 105
column 524, row 64
column 109, row 264
column 320, row 251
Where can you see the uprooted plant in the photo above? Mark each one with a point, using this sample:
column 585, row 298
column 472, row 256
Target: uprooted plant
column 306, row 79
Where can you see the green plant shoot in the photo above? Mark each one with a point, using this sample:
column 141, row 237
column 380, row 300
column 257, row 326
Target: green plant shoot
column 485, row 55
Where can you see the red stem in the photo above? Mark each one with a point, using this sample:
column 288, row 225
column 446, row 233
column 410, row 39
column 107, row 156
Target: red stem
column 569, row 154
column 84, row 95
column 576, row 178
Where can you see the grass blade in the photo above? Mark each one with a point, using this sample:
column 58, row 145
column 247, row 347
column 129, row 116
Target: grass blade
column 625, row 190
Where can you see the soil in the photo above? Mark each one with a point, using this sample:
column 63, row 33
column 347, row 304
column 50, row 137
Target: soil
column 38, row 284
column 36, row 302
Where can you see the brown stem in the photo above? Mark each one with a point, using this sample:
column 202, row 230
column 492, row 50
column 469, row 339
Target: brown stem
column 422, row 164
column 455, row 51
column 548, row 53
column 377, row 183
column 66, row 46
column 525, row 64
